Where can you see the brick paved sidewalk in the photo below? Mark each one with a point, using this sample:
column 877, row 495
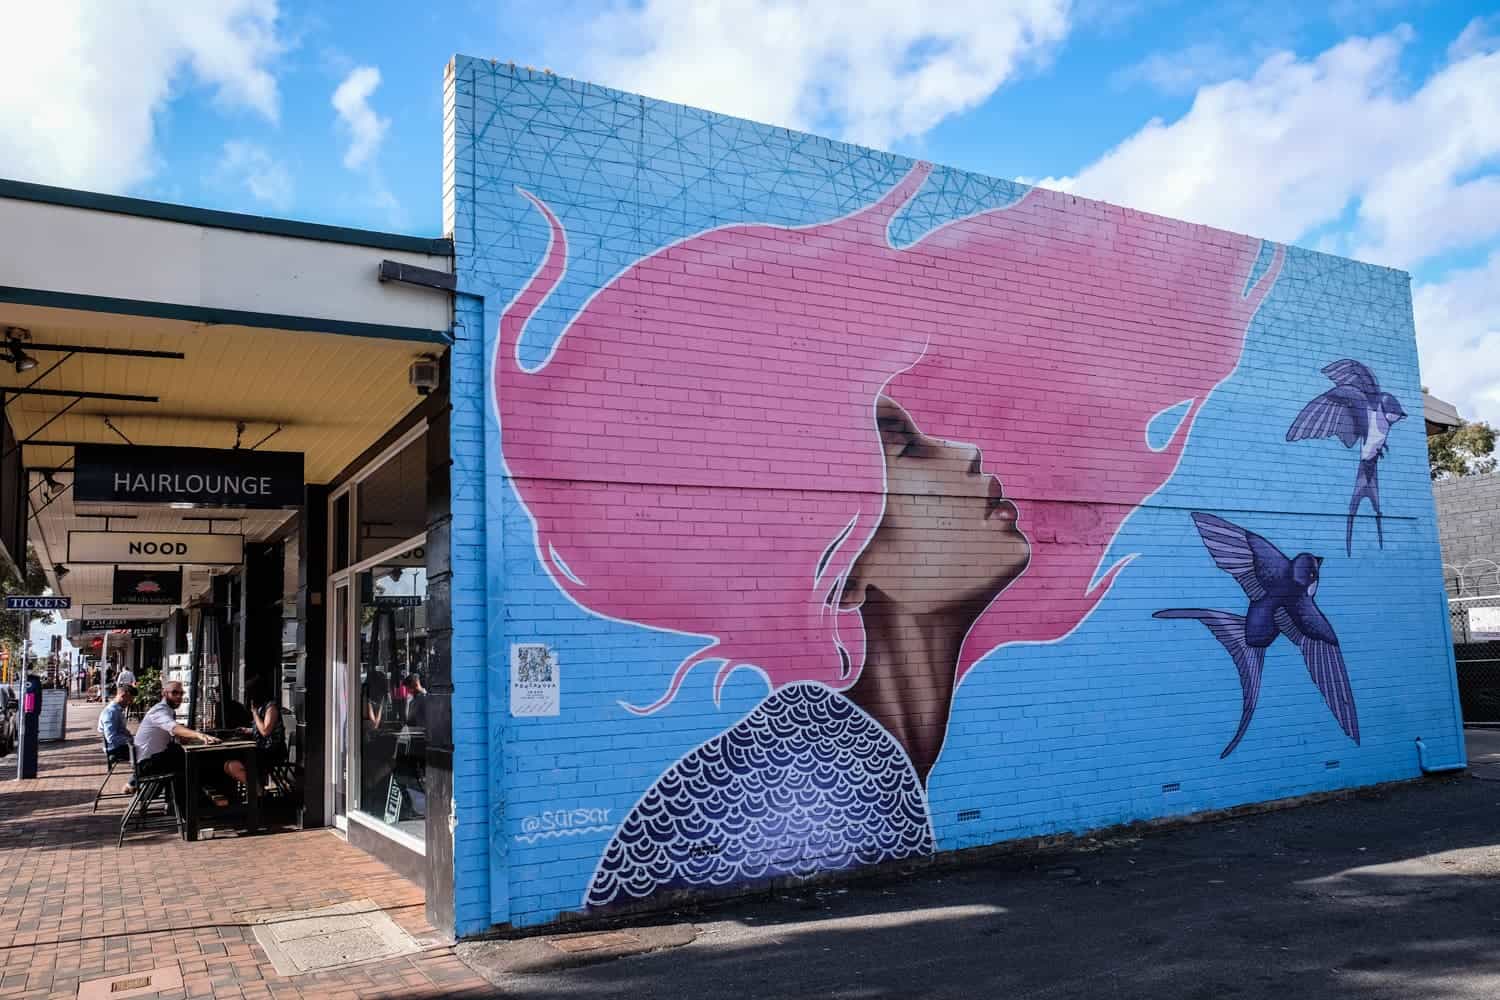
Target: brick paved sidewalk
column 74, row 908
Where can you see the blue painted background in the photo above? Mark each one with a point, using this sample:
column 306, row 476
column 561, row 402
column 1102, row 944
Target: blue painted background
column 1043, row 738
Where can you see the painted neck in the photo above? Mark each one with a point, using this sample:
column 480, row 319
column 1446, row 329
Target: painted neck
column 907, row 681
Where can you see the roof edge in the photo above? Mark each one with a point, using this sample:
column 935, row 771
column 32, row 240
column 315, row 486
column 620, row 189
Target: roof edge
column 216, row 219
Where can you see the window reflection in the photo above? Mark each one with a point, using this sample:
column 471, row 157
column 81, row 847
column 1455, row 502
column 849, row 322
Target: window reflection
column 392, row 697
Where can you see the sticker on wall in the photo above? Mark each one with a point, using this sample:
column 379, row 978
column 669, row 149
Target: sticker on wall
column 535, row 688
column 1355, row 411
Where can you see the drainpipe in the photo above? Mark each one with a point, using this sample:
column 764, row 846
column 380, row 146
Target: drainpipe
column 1435, row 768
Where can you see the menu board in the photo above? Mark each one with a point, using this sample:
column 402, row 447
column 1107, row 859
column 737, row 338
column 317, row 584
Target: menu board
column 53, row 724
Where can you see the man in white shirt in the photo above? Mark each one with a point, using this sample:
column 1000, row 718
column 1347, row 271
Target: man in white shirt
column 156, row 748
column 126, row 676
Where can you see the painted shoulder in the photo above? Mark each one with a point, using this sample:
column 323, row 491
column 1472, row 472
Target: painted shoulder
column 805, row 783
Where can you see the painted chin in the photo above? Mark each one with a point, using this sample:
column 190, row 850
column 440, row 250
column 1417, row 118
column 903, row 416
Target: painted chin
column 997, row 507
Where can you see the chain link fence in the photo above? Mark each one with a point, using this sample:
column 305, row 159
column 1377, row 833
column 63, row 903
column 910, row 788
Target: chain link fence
column 1476, row 650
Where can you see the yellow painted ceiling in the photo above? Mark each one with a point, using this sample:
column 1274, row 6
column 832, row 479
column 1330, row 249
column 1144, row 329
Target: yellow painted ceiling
column 333, row 396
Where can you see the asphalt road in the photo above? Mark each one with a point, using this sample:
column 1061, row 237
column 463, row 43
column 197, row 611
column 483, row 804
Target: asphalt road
column 1390, row 894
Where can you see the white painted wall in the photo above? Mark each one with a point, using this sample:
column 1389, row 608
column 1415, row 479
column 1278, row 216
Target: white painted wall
column 89, row 252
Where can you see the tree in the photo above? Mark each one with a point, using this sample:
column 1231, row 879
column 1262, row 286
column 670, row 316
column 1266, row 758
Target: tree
column 1464, row 451
column 13, row 632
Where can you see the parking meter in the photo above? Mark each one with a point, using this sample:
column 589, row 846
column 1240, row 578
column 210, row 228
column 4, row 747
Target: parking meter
column 29, row 722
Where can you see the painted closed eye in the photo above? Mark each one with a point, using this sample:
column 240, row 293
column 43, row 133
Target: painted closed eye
column 899, row 437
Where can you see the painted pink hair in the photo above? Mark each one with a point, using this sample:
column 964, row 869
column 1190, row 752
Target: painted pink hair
column 699, row 453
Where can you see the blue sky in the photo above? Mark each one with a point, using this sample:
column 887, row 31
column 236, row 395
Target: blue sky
column 1360, row 127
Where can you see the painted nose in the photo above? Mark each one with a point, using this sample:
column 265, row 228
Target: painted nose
column 976, row 463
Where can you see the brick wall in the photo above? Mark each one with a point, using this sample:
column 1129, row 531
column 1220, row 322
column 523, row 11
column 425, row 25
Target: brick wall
column 737, row 398
column 1468, row 515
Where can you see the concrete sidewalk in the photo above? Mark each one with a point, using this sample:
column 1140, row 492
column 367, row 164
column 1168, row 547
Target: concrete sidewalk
column 1387, row 893
column 74, row 909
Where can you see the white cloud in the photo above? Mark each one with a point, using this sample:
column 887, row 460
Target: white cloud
column 872, row 71
column 83, row 82
column 1481, row 35
column 1185, row 70
column 1458, row 336
column 365, row 128
column 1298, row 143
column 245, row 164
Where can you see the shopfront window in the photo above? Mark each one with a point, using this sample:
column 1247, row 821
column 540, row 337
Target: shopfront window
column 392, row 692
column 392, row 501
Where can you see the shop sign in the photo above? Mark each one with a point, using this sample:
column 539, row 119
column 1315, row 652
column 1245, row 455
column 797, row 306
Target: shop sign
column 90, row 611
column 399, row 600
column 105, row 624
column 416, row 557
column 148, row 547
column 148, row 586
column 19, row 602
column 205, row 477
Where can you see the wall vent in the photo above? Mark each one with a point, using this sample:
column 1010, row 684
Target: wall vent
column 1172, row 786
column 966, row 815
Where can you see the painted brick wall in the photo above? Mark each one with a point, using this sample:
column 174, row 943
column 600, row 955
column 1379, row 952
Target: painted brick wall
column 742, row 394
column 1468, row 513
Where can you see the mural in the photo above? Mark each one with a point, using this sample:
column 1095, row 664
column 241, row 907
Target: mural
column 858, row 495
column 1355, row 411
column 1280, row 591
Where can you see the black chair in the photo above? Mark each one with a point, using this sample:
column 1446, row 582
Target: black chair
column 110, row 763
column 147, row 788
column 285, row 796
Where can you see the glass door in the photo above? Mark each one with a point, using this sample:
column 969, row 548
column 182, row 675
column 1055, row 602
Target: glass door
column 339, row 677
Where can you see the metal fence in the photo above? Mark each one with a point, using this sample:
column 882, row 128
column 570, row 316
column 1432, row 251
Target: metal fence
column 1476, row 650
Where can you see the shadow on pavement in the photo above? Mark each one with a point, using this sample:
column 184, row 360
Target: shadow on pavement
column 1385, row 894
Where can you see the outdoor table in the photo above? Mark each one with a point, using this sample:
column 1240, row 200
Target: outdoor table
column 210, row 757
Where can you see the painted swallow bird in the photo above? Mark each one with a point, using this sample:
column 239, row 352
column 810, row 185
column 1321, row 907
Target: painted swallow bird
column 1354, row 411
column 1281, row 604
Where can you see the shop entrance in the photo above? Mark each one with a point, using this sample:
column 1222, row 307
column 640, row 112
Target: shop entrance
column 377, row 644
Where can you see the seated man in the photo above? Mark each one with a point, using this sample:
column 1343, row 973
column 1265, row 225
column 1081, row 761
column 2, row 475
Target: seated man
column 155, row 741
column 112, row 724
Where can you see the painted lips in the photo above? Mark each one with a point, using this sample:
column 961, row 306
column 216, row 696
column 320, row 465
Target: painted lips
column 997, row 503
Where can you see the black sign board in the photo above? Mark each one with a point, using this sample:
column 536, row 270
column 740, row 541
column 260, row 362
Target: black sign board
column 207, row 477
column 399, row 600
column 148, row 586
column 105, row 624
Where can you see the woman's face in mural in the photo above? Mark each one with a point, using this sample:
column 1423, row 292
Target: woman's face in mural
column 949, row 537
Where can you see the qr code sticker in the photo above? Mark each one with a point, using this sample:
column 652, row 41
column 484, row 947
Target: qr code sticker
column 533, row 664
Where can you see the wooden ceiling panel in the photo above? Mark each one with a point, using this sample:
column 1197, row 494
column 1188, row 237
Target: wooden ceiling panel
column 332, row 396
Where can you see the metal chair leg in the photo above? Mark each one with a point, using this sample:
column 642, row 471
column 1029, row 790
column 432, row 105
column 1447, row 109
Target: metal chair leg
column 129, row 811
column 109, row 772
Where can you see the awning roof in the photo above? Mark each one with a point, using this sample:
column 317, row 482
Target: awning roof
column 332, row 397
column 285, row 327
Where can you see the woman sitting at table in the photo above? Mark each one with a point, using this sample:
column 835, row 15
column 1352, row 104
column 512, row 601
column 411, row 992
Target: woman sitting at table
column 265, row 728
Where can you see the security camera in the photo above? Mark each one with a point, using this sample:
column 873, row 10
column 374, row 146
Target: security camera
column 424, row 374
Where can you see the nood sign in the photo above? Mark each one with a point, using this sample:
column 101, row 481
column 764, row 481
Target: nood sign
column 206, row 477
column 155, row 547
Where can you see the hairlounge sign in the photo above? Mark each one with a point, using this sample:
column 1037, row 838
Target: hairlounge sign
column 204, row 477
